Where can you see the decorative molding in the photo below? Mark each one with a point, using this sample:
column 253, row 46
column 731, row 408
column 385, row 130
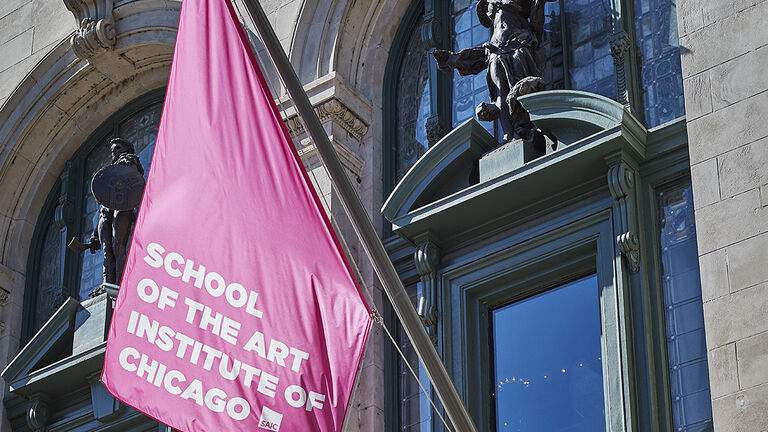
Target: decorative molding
column 335, row 111
column 620, row 45
column 427, row 256
column 38, row 412
column 93, row 37
column 621, row 183
column 97, row 27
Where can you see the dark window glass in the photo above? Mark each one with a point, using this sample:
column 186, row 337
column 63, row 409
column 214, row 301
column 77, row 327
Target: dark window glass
column 548, row 373
column 141, row 130
column 48, row 297
column 662, row 78
column 550, row 53
column 687, row 351
column 588, row 50
column 413, row 105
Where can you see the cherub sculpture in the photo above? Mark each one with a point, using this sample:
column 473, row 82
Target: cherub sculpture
column 510, row 59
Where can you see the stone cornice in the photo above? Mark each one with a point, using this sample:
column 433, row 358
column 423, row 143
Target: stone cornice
column 350, row 160
column 335, row 102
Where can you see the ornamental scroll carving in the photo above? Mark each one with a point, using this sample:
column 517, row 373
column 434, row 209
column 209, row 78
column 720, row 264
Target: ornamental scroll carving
column 426, row 258
column 621, row 182
column 96, row 33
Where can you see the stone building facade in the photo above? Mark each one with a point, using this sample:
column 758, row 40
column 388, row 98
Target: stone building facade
column 725, row 96
column 73, row 71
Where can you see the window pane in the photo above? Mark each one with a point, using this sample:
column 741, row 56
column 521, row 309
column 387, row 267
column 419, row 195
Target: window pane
column 413, row 106
column 547, row 361
column 49, row 289
column 587, row 38
column 550, row 54
column 687, row 351
column 91, row 263
column 141, row 130
column 656, row 32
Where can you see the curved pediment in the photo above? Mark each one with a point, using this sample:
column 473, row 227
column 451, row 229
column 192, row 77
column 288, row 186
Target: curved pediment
column 588, row 127
column 447, row 167
column 573, row 115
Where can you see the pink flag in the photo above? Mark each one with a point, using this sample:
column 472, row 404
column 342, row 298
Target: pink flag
column 237, row 310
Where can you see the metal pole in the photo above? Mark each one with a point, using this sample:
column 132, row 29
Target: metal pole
column 393, row 286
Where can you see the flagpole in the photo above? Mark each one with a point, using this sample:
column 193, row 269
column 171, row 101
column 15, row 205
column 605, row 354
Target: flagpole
column 390, row 280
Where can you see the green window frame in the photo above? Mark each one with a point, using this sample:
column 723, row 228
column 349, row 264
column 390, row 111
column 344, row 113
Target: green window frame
column 471, row 282
column 515, row 268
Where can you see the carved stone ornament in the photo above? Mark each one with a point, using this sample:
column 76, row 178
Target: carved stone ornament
column 620, row 45
column 38, row 413
column 621, row 182
column 97, row 27
column 332, row 110
column 435, row 130
column 93, row 37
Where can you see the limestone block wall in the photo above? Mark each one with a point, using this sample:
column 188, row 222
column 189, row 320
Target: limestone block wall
column 29, row 29
column 724, row 50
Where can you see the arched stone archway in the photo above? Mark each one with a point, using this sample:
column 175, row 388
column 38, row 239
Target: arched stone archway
column 54, row 109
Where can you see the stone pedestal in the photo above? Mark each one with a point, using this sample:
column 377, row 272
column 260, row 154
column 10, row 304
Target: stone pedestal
column 92, row 323
column 506, row 158
column 514, row 154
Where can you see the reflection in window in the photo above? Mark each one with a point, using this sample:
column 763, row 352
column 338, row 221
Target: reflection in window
column 547, row 362
column 662, row 78
column 687, row 351
column 413, row 105
column 141, row 130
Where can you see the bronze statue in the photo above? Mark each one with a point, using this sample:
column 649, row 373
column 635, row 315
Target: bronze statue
column 118, row 188
column 510, row 59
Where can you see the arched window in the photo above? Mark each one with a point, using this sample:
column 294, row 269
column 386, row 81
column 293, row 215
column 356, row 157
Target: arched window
column 626, row 51
column 413, row 98
column 57, row 272
column 630, row 55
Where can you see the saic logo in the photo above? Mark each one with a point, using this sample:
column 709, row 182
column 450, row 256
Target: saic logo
column 270, row 420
